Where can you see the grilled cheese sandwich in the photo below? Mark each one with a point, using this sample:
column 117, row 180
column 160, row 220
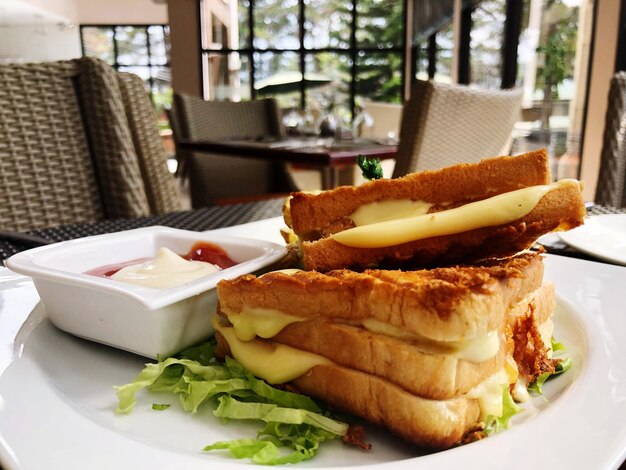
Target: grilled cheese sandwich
column 465, row 213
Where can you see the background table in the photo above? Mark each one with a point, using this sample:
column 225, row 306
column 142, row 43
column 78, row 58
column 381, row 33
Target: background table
column 327, row 155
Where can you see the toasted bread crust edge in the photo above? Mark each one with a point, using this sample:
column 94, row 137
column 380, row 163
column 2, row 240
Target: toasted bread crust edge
column 455, row 184
column 560, row 209
column 445, row 304
column 436, row 424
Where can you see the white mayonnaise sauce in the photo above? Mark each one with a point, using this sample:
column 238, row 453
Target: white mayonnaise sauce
column 166, row 270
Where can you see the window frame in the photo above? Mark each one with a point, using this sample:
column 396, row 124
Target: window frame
column 352, row 51
column 116, row 65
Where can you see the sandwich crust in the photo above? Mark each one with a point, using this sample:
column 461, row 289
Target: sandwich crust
column 444, row 304
column 560, row 209
column 311, row 215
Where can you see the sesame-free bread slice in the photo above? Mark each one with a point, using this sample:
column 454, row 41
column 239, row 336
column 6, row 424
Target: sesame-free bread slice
column 443, row 304
column 560, row 209
column 312, row 216
column 435, row 371
column 436, row 424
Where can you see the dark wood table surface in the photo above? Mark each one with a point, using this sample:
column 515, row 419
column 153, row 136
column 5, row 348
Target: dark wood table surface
column 326, row 154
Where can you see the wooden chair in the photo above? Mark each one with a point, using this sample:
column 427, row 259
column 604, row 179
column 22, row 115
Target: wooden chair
column 216, row 179
column 74, row 146
column 610, row 190
column 445, row 124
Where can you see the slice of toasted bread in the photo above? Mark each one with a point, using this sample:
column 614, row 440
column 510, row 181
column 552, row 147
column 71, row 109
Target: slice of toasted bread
column 560, row 209
column 436, row 424
column 433, row 372
column 424, row 422
column 330, row 211
column 445, row 304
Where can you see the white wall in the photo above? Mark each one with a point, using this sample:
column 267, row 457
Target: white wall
column 62, row 9
column 47, row 30
column 104, row 11
column 43, row 42
column 602, row 69
column 121, row 12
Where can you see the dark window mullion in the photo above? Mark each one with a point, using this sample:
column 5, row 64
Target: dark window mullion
column 301, row 51
column 148, row 46
column 512, row 30
column 115, row 49
column 354, row 57
column 252, row 48
column 463, row 71
column 432, row 55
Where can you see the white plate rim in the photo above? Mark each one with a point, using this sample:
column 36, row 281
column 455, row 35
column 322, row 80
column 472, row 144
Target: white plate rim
column 581, row 238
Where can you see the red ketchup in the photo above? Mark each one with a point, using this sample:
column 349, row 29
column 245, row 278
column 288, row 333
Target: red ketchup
column 200, row 251
column 209, row 253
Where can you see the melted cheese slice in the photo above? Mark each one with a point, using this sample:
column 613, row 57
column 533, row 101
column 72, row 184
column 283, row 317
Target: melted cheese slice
column 382, row 211
column 266, row 323
column 476, row 350
column 497, row 210
column 489, row 394
column 273, row 362
column 263, row 322
column 277, row 363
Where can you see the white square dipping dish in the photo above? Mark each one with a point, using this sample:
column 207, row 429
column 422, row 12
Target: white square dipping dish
column 142, row 320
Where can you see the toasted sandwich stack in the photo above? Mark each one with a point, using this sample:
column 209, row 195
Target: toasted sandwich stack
column 429, row 353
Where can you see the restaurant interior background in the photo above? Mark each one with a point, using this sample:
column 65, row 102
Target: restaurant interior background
column 353, row 55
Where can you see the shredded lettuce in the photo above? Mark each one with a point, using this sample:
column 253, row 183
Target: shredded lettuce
column 295, row 425
column 564, row 365
column 537, row 385
column 160, row 406
column 509, row 409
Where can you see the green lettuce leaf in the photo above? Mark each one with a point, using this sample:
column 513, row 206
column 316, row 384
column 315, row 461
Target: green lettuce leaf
column 271, row 413
column 565, row 363
column 302, row 438
column 274, row 395
column 557, row 346
column 509, row 409
column 160, row 378
column 160, row 406
column 294, row 424
column 537, row 385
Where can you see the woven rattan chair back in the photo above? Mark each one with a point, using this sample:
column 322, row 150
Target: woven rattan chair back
column 610, row 190
column 215, row 179
column 46, row 172
column 67, row 150
column 160, row 185
column 445, row 124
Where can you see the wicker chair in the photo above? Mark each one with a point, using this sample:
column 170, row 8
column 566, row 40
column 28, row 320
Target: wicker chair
column 448, row 124
column 216, row 179
column 71, row 146
column 610, row 189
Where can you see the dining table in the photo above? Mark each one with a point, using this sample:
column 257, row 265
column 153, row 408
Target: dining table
column 573, row 415
column 328, row 155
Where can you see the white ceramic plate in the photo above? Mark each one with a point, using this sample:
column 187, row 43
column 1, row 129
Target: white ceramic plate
column 602, row 236
column 56, row 400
